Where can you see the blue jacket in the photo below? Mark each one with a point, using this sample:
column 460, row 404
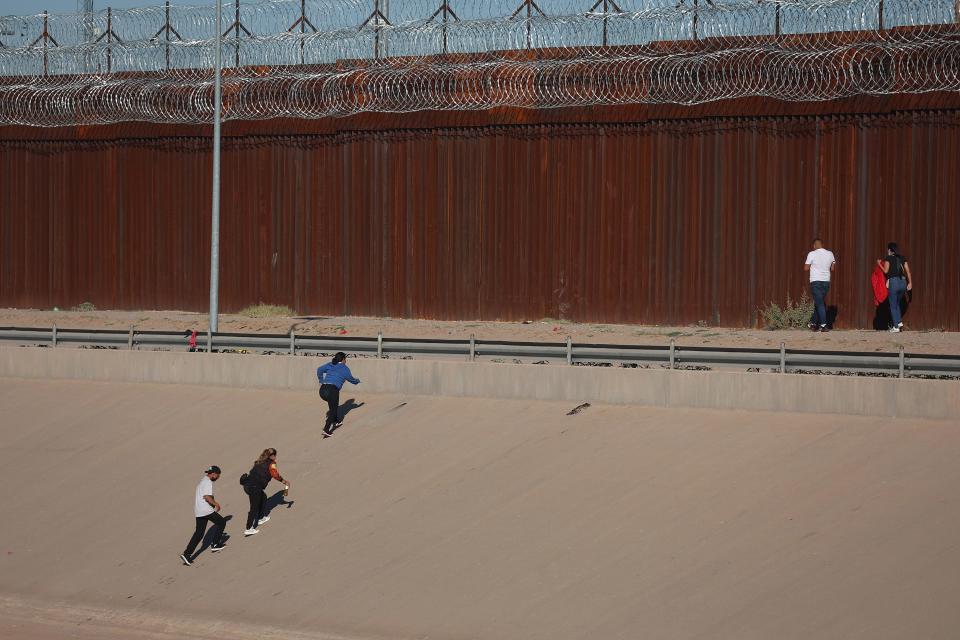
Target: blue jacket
column 335, row 374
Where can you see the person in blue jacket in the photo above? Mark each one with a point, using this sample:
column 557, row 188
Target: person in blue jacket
column 331, row 377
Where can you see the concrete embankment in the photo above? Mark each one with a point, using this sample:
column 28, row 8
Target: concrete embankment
column 441, row 517
column 849, row 395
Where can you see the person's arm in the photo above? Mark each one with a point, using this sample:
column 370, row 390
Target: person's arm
column 275, row 474
column 322, row 369
column 884, row 265
column 906, row 270
column 212, row 502
column 350, row 376
column 833, row 266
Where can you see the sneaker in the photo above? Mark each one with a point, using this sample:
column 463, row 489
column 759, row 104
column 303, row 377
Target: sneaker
column 823, row 328
column 263, row 520
column 812, row 326
column 216, row 548
column 900, row 326
column 185, row 559
column 894, row 329
column 327, row 433
column 250, row 532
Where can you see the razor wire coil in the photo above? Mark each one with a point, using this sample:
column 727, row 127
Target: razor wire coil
column 325, row 58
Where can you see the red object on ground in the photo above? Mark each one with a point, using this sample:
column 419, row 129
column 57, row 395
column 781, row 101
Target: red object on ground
column 879, row 283
column 342, row 331
column 193, row 340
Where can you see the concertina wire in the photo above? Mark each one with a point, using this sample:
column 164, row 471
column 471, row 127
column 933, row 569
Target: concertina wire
column 344, row 57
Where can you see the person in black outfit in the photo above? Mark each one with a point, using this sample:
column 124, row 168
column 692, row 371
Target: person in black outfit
column 256, row 481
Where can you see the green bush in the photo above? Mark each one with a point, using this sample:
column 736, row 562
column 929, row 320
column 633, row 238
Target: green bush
column 266, row 311
column 793, row 315
column 85, row 306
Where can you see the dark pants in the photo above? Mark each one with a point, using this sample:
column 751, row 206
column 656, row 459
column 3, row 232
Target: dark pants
column 896, row 287
column 257, row 501
column 332, row 395
column 819, row 289
column 219, row 524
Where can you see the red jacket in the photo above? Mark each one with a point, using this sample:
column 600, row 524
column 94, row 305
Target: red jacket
column 878, row 280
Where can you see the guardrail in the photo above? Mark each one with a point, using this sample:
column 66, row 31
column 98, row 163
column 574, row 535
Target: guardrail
column 672, row 356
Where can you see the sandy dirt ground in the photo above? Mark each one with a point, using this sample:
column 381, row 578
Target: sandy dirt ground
column 542, row 330
column 469, row 518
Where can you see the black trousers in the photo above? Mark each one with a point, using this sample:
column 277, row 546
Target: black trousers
column 257, row 501
column 332, row 395
column 219, row 524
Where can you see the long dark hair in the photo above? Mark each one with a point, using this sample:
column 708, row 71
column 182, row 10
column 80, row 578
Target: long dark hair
column 264, row 456
column 893, row 248
column 338, row 357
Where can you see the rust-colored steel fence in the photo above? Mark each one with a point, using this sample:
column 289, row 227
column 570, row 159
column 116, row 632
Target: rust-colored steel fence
column 617, row 215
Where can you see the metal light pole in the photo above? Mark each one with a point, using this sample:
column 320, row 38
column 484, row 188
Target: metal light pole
column 215, row 213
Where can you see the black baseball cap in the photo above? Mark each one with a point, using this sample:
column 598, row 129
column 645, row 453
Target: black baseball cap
column 213, row 469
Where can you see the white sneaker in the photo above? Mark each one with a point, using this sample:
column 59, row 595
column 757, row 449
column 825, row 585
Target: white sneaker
column 263, row 520
column 250, row 532
column 894, row 329
column 900, row 326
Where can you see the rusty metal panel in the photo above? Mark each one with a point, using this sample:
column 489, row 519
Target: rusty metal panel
column 684, row 220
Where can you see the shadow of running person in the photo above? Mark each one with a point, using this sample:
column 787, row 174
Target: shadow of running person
column 276, row 500
column 343, row 410
column 208, row 536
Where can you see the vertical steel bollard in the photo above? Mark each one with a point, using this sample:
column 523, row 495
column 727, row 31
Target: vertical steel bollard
column 901, row 359
column 54, row 336
column 379, row 344
column 130, row 339
column 569, row 350
column 783, row 357
column 673, row 352
column 293, row 343
column 209, row 341
column 473, row 347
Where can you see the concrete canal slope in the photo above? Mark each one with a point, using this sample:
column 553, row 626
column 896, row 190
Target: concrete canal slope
column 851, row 395
column 472, row 518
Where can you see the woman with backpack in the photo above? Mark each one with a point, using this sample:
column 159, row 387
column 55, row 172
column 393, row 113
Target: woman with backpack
column 899, row 281
column 255, row 482
column 331, row 377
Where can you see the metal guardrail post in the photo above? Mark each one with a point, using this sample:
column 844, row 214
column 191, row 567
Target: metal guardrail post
column 293, row 343
column 209, row 341
column 673, row 352
column 473, row 347
column 901, row 361
column 53, row 337
column 379, row 344
column 130, row 339
column 783, row 357
column 569, row 350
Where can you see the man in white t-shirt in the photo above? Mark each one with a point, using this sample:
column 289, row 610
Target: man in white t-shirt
column 820, row 263
column 205, row 508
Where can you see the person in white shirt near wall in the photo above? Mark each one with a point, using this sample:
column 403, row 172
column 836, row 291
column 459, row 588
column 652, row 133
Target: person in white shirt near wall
column 820, row 263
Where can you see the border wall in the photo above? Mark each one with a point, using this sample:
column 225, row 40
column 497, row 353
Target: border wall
column 647, row 214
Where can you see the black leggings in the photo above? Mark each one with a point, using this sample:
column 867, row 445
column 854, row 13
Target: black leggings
column 332, row 395
column 257, row 501
column 219, row 524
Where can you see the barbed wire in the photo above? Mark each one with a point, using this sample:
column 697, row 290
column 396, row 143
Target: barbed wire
column 351, row 56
